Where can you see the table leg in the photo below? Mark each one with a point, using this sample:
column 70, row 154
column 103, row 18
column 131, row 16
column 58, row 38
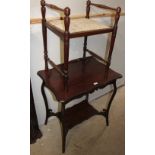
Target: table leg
column 63, row 128
column 46, row 103
column 109, row 104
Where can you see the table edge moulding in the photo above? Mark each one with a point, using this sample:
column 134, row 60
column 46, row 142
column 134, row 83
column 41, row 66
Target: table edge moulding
column 79, row 77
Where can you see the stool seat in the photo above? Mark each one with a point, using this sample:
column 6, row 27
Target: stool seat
column 78, row 25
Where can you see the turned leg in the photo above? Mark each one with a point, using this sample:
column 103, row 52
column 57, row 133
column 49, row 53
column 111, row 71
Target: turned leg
column 44, row 33
column 66, row 58
column 106, row 111
column 45, row 100
column 66, row 44
column 64, row 130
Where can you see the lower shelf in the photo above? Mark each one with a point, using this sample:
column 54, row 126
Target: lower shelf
column 79, row 113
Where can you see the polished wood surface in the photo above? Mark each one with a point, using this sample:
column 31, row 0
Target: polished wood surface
column 113, row 36
column 44, row 32
column 66, row 40
column 56, row 67
column 88, row 9
column 85, row 76
column 82, row 111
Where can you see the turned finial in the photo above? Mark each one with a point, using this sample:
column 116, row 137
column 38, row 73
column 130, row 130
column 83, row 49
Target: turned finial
column 67, row 11
column 118, row 10
column 88, row 8
column 42, row 2
column 67, row 19
column 88, row 2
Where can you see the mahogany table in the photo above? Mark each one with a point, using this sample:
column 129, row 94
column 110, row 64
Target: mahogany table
column 76, row 78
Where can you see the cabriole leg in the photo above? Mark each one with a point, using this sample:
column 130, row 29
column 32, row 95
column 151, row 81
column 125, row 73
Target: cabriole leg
column 109, row 104
column 45, row 100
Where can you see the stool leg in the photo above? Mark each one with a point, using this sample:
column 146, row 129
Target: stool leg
column 45, row 100
column 109, row 104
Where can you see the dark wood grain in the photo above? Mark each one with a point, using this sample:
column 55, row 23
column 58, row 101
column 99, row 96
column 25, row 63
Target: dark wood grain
column 113, row 36
column 56, row 67
column 78, row 113
column 78, row 77
column 88, row 8
column 85, row 37
column 109, row 104
column 81, row 78
column 44, row 32
column 66, row 39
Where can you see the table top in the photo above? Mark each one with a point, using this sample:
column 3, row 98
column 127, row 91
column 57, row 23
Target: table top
column 85, row 76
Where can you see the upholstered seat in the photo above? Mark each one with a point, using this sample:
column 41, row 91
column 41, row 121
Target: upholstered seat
column 78, row 25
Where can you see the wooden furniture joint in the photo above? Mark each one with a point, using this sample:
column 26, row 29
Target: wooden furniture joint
column 96, row 56
column 76, row 78
column 56, row 67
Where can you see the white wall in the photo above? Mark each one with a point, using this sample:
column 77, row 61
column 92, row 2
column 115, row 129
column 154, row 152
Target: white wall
column 96, row 43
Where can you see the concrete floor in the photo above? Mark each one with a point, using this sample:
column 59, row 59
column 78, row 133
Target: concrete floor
column 92, row 137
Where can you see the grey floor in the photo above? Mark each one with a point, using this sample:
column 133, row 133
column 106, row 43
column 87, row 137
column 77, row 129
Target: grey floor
column 92, row 137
